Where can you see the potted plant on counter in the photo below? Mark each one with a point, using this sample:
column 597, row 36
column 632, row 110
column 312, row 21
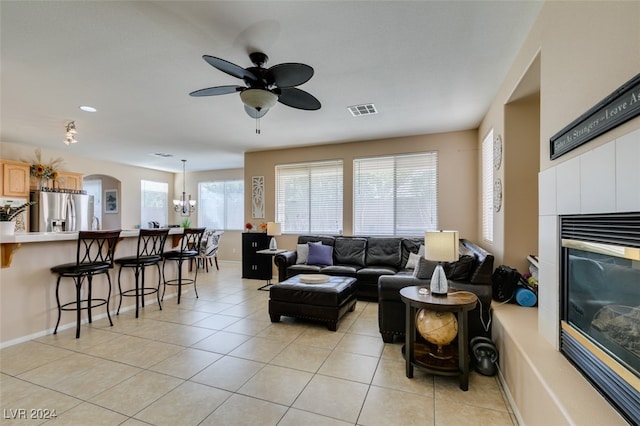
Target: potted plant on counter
column 7, row 214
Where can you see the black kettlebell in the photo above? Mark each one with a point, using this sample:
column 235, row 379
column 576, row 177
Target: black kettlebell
column 486, row 355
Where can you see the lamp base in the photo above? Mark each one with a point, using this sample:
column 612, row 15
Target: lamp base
column 272, row 244
column 439, row 284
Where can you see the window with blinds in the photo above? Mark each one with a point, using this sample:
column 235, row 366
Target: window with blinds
column 487, row 187
column 221, row 205
column 154, row 202
column 395, row 195
column 309, row 197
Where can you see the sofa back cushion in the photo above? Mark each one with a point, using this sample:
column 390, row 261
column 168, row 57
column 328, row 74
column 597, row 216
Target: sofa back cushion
column 349, row 251
column 327, row 240
column 384, row 251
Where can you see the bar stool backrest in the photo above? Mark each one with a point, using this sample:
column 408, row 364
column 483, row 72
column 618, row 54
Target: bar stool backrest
column 151, row 242
column 191, row 239
column 97, row 247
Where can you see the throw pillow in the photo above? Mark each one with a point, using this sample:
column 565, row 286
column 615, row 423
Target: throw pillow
column 320, row 254
column 424, row 269
column 412, row 261
column 303, row 253
column 460, row 270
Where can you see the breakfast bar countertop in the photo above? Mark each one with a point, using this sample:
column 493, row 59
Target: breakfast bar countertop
column 41, row 237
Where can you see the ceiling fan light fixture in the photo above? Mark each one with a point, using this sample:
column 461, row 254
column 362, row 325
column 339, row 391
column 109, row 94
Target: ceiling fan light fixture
column 259, row 99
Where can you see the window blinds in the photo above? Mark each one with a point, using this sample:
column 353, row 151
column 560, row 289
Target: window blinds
column 395, row 195
column 487, row 187
column 309, row 197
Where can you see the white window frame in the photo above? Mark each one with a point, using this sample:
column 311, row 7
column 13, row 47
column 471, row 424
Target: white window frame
column 487, row 187
column 309, row 197
column 162, row 216
column 395, row 194
column 229, row 214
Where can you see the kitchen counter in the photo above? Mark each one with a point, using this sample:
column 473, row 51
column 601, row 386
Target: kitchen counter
column 10, row 243
column 27, row 286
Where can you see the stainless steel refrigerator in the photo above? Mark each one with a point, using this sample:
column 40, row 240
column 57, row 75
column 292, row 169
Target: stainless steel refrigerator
column 60, row 211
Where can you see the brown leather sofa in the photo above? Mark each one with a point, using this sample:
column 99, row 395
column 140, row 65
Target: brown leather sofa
column 391, row 308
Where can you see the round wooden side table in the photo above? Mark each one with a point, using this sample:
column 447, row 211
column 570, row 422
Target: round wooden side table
column 419, row 353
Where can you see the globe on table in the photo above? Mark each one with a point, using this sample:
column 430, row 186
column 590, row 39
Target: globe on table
column 438, row 328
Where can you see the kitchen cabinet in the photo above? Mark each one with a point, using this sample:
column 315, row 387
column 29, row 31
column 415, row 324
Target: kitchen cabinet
column 254, row 265
column 65, row 180
column 15, row 178
column 69, row 180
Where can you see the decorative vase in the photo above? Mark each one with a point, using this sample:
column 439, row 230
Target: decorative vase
column 7, row 228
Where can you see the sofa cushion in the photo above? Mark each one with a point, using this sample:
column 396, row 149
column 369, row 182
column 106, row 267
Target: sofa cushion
column 455, row 271
column 324, row 239
column 339, row 270
column 303, row 269
column 350, row 251
column 319, row 254
column 384, row 252
column 303, row 252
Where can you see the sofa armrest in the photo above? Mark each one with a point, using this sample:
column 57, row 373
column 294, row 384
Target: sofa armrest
column 389, row 286
column 283, row 260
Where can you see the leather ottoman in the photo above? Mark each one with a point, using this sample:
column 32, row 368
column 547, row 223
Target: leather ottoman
column 327, row 302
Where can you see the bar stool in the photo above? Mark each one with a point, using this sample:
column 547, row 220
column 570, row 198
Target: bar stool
column 94, row 256
column 150, row 248
column 189, row 249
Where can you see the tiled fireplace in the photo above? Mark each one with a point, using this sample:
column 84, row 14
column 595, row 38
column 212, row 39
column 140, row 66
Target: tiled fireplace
column 601, row 181
column 600, row 304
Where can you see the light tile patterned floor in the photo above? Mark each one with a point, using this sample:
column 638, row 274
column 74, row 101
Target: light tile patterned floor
column 219, row 360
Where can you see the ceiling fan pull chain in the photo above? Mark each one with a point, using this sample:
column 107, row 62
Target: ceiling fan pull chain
column 257, row 125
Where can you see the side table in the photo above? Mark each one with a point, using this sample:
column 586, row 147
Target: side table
column 417, row 353
column 269, row 252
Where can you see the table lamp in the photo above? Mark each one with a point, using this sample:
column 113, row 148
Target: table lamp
column 273, row 229
column 440, row 246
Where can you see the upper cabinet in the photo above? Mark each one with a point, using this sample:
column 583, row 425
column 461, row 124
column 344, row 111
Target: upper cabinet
column 69, row 180
column 65, row 180
column 15, row 178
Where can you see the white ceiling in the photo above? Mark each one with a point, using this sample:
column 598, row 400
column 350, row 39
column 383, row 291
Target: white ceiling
column 427, row 66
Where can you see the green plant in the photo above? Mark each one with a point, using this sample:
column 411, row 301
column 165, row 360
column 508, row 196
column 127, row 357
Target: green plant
column 186, row 223
column 8, row 212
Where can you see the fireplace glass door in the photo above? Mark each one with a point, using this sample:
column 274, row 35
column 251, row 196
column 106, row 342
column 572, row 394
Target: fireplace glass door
column 602, row 297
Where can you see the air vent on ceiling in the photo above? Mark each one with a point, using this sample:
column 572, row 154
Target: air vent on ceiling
column 162, row 154
column 364, row 109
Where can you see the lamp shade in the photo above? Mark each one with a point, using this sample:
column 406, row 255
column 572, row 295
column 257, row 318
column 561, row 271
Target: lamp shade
column 259, row 99
column 441, row 246
column 273, row 228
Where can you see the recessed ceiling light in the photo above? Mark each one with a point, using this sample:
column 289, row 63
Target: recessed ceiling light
column 161, row 154
column 364, row 109
column 87, row 108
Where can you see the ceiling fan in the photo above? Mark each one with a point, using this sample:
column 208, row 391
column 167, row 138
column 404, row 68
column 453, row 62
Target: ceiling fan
column 264, row 86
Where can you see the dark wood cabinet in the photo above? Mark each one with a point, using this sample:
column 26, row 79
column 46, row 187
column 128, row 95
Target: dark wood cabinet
column 255, row 266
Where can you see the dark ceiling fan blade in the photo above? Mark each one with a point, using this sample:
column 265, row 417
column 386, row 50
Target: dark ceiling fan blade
column 290, row 74
column 228, row 67
column 254, row 113
column 219, row 90
column 297, row 98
